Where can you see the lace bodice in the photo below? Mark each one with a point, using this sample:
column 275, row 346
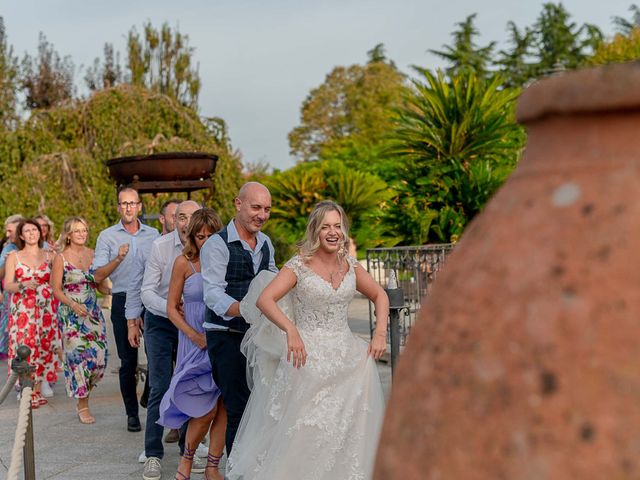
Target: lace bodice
column 316, row 304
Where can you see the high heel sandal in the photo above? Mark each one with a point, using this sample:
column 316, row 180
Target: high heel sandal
column 37, row 400
column 188, row 455
column 213, row 461
column 86, row 418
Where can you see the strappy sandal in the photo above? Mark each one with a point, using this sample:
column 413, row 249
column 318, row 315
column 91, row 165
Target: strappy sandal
column 187, row 455
column 87, row 418
column 213, row 461
column 37, row 398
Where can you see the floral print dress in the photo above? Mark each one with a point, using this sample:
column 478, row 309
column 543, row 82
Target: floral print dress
column 33, row 322
column 84, row 338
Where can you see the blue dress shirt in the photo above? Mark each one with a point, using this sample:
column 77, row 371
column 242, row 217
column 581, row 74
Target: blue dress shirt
column 107, row 245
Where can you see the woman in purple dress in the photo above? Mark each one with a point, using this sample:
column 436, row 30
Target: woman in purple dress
column 193, row 396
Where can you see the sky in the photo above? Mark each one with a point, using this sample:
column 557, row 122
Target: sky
column 259, row 59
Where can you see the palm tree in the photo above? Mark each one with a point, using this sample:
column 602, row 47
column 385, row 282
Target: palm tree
column 458, row 141
column 295, row 191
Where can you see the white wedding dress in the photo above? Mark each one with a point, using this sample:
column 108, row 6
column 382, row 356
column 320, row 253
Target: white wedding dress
column 319, row 422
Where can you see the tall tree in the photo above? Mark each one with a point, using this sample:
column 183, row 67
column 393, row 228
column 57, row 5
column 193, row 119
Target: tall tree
column 456, row 142
column 378, row 54
column 516, row 62
column 625, row 26
column 8, row 82
column 162, row 60
column 464, row 56
column 553, row 42
column 560, row 40
column 296, row 190
column 48, row 78
column 350, row 114
column 105, row 74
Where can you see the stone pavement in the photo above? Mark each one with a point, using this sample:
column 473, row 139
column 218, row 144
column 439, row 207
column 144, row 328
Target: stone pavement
column 67, row 450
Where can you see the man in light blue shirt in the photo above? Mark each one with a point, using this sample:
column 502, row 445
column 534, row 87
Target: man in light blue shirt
column 230, row 259
column 116, row 248
column 133, row 308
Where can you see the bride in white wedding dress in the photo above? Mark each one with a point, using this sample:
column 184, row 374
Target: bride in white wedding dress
column 316, row 404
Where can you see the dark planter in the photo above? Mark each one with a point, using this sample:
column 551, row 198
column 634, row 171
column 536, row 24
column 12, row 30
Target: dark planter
column 164, row 172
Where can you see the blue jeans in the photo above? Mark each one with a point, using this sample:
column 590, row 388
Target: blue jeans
column 161, row 341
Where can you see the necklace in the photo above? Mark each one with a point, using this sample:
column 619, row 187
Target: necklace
column 77, row 258
column 337, row 272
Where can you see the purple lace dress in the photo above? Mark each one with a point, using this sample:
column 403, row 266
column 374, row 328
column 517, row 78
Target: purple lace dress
column 192, row 392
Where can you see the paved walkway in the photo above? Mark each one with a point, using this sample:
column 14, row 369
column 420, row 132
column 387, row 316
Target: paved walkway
column 68, row 450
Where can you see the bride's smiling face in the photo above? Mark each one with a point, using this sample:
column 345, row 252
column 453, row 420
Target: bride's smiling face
column 331, row 236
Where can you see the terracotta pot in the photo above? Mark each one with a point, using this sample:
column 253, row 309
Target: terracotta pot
column 525, row 361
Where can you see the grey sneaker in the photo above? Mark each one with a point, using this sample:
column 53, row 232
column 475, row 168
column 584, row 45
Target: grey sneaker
column 152, row 469
column 198, row 465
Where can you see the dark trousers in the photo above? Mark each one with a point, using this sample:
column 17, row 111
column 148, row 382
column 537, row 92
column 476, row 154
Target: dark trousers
column 126, row 353
column 161, row 341
column 229, row 373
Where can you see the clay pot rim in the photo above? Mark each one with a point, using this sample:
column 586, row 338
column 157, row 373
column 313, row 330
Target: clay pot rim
column 590, row 90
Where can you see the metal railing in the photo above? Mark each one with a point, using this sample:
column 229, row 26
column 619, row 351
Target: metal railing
column 416, row 269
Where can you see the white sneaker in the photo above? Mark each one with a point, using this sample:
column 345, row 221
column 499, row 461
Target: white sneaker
column 142, row 457
column 46, row 390
column 202, row 451
column 152, row 469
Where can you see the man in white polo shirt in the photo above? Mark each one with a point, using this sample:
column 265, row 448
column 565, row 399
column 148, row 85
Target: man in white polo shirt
column 160, row 335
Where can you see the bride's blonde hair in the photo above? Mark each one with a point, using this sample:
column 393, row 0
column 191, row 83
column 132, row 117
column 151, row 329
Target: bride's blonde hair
column 311, row 241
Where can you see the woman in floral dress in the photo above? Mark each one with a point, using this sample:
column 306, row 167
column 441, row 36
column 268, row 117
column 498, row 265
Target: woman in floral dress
column 32, row 313
column 84, row 334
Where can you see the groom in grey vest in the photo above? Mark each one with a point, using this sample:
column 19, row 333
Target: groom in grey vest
column 230, row 259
